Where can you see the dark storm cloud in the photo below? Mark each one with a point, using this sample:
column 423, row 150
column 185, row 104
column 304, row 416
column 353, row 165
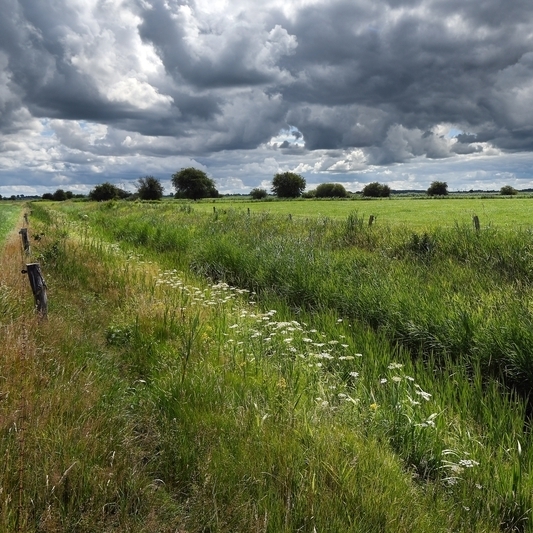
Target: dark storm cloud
column 421, row 67
column 392, row 80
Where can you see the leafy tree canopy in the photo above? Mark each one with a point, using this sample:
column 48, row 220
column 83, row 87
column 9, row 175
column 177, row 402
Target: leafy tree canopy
column 438, row 188
column 331, row 190
column 288, row 185
column 60, row 195
column 107, row 191
column 194, row 184
column 149, row 188
column 376, row 190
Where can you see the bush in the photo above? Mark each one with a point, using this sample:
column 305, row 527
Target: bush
column 376, row 190
column 258, row 193
column 507, row 190
column 331, row 190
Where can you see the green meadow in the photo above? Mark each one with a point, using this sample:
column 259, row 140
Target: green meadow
column 208, row 368
column 416, row 212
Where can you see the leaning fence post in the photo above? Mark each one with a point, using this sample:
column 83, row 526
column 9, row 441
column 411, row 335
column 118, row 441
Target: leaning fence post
column 475, row 220
column 25, row 241
column 38, row 287
column 371, row 220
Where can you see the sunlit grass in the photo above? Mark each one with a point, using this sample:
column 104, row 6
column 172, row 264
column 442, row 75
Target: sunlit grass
column 417, row 213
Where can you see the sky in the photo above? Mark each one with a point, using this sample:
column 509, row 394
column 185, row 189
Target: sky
column 403, row 92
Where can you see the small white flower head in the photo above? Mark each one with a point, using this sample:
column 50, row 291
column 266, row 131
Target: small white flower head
column 395, row 366
column 383, row 381
column 354, row 374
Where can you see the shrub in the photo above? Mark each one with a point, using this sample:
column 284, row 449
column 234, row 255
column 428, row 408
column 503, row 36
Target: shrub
column 331, row 190
column 258, row 193
column 507, row 190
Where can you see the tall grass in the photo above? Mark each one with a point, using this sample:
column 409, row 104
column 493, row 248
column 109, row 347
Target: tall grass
column 372, row 368
column 452, row 292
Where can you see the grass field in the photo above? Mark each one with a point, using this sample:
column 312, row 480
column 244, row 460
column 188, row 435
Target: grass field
column 419, row 213
column 219, row 371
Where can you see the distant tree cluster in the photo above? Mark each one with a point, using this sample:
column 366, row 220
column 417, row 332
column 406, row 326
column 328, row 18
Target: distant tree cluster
column 376, row 190
column 107, row 191
column 59, row 196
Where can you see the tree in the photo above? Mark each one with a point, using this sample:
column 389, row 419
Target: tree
column 107, row 191
column 60, row 195
column 288, row 185
column 48, row 196
column 438, row 188
column 149, row 188
column 507, row 190
column 258, row 193
column 331, row 190
column 376, row 190
column 194, row 184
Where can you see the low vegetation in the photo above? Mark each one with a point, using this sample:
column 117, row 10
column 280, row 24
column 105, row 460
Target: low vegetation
column 231, row 372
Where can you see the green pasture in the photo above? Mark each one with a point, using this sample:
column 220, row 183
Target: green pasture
column 8, row 215
column 419, row 213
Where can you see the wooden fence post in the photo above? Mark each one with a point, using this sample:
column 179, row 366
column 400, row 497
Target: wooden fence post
column 475, row 220
column 38, row 287
column 25, row 241
column 371, row 220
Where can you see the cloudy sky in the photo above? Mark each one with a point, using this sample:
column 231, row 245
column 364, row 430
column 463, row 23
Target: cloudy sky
column 402, row 92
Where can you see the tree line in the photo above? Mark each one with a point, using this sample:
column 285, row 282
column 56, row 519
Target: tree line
column 193, row 184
